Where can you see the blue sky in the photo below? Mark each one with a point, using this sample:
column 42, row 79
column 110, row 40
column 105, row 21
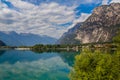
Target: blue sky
column 45, row 17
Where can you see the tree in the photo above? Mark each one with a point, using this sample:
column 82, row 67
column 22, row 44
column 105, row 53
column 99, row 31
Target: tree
column 116, row 39
column 96, row 66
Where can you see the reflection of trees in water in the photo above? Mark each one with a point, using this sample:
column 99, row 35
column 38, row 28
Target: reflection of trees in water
column 48, row 50
column 68, row 57
column 2, row 52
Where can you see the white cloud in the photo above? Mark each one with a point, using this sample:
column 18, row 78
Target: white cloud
column 115, row 1
column 82, row 18
column 43, row 19
column 104, row 2
column 2, row 5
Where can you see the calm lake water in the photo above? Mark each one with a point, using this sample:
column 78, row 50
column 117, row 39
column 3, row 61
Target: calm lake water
column 28, row 65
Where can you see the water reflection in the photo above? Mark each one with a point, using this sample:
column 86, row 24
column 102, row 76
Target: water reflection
column 27, row 65
column 68, row 57
column 2, row 52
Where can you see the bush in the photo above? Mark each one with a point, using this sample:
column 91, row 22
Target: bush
column 96, row 66
column 116, row 39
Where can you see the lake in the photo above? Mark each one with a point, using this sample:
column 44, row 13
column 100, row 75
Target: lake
column 28, row 65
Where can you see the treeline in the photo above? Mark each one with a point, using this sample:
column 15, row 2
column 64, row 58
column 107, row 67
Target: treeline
column 47, row 48
column 67, row 47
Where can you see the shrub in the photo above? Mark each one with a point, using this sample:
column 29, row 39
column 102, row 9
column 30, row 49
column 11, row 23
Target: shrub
column 96, row 66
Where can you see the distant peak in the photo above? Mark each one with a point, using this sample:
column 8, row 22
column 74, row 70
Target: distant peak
column 9, row 32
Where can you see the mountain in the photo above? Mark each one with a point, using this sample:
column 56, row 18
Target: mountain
column 101, row 26
column 2, row 43
column 69, row 37
column 24, row 39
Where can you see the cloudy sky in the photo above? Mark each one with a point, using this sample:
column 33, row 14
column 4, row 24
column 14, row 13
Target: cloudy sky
column 45, row 17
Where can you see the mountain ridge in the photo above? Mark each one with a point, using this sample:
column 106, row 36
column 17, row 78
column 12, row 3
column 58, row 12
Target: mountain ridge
column 101, row 26
column 12, row 38
column 2, row 43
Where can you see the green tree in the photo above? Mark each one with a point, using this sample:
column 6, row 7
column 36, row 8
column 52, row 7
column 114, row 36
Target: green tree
column 96, row 66
column 116, row 39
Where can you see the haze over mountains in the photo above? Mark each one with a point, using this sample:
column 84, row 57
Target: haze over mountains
column 101, row 26
column 24, row 39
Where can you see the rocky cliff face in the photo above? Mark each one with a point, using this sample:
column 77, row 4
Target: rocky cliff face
column 101, row 26
column 69, row 37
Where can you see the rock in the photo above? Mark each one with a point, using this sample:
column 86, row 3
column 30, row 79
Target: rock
column 101, row 26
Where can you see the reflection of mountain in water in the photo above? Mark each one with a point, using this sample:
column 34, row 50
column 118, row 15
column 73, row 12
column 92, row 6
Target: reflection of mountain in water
column 13, row 56
column 67, row 57
column 26, row 65
column 2, row 52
